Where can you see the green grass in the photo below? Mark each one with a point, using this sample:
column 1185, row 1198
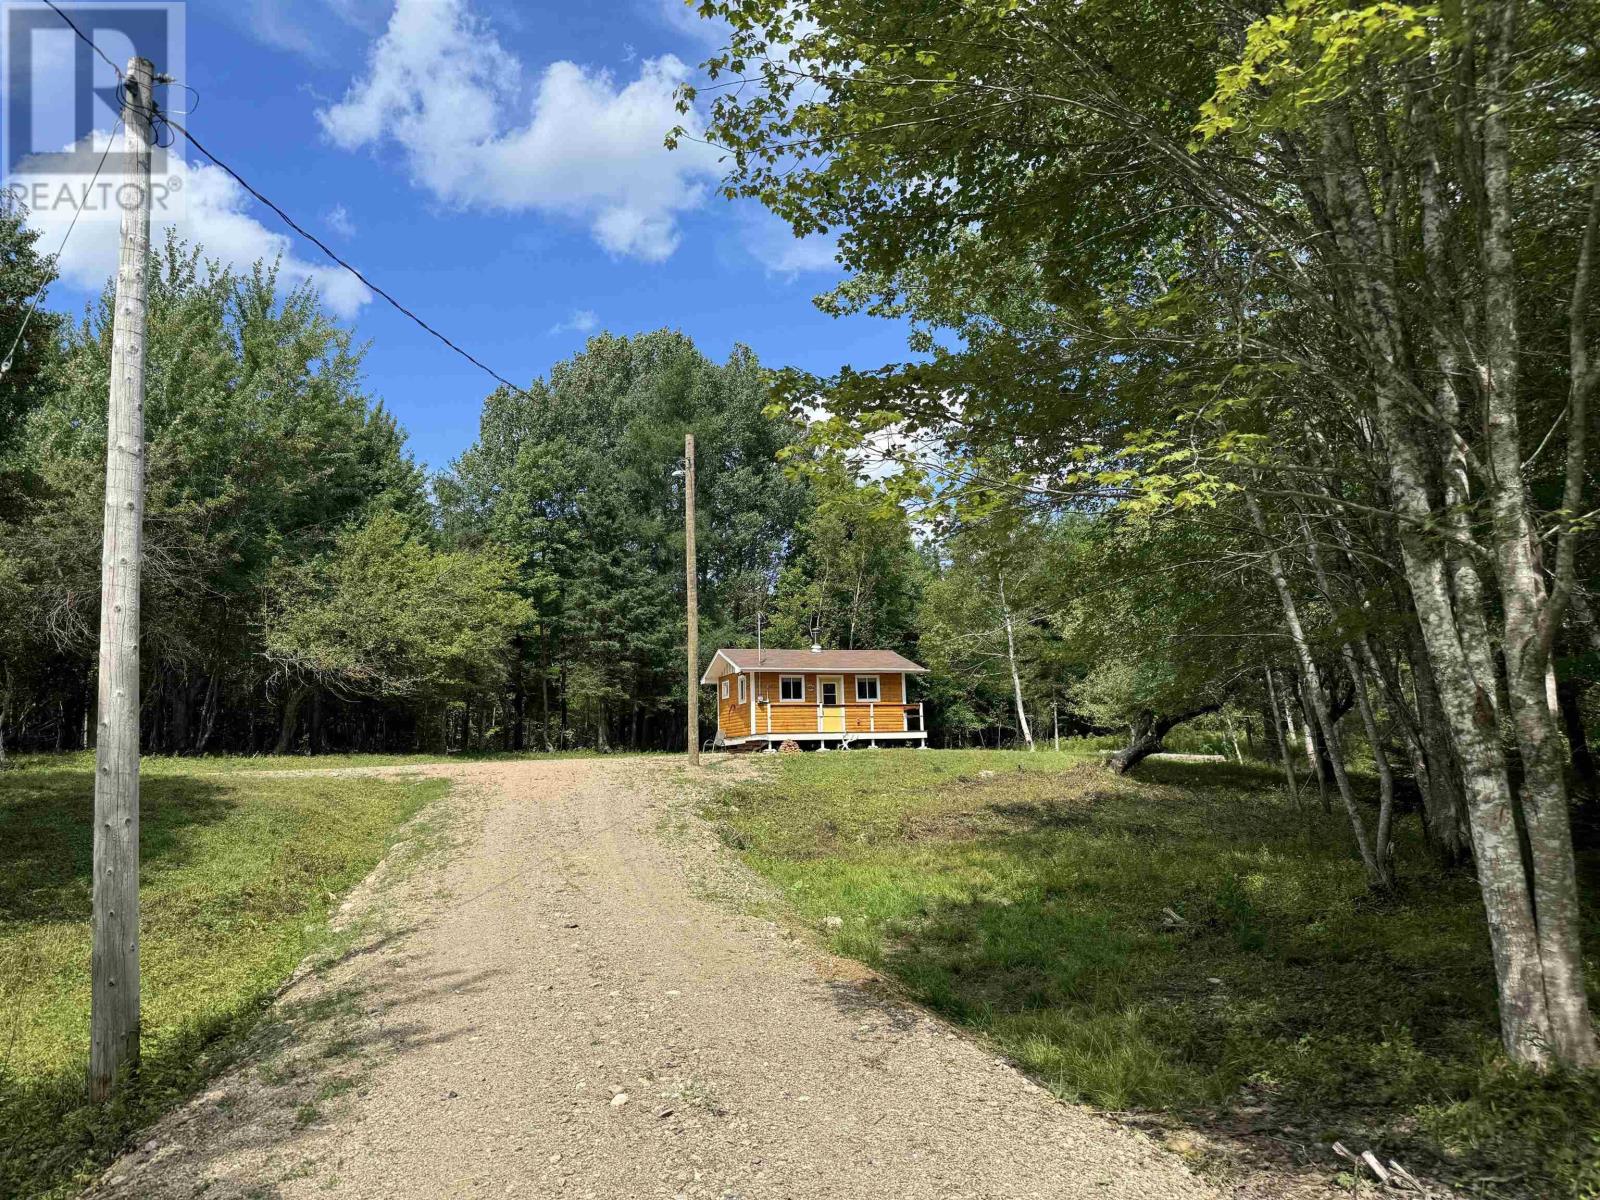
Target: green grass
column 1022, row 895
column 238, row 877
column 222, row 764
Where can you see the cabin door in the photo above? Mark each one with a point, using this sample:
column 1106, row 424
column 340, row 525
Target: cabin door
column 830, row 692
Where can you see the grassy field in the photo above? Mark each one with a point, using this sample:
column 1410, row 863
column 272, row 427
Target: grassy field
column 225, row 764
column 1023, row 896
column 238, row 877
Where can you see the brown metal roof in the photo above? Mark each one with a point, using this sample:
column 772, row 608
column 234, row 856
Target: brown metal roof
column 810, row 660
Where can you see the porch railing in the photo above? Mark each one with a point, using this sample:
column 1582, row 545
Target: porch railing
column 860, row 718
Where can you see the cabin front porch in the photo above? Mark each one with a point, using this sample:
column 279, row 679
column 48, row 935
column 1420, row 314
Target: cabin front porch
column 839, row 724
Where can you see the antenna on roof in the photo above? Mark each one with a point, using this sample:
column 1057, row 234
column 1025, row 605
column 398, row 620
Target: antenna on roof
column 759, row 615
column 816, row 640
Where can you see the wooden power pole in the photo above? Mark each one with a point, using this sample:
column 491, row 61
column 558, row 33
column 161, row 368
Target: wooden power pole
column 690, row 578
column 114, row 1012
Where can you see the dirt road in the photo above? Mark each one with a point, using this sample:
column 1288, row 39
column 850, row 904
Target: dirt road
column 555, row 1009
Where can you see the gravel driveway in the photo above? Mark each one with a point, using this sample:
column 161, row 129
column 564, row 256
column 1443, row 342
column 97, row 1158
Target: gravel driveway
column 554, row 1008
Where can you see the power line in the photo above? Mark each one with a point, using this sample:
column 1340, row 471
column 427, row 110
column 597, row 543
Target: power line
column 326, row 249
column 160, row 117
column 85, row 38
column 5, row 364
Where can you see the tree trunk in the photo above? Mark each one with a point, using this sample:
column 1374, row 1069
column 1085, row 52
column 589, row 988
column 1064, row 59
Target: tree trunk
column 1369, row 722
column 1528, row 607
column 636, row 715
column 315, row 746
column 1146, row 734
column 1380, row 759
column 519, row 705
column 1316, row 751
column 1377, row 870
column 1446, row 801
column 1016, row 679
column 1233, row 736
column 1569, row 699
column 291, row 715
column 177, row 686
column 208, row 716
column 1283, row 734
column 1450, row 613
column 544, row 690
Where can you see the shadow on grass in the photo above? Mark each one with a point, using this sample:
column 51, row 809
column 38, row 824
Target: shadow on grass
column 52, row 1134
column 1277, row 993
column 47, row 836
column 237, row 879
column 306, row 1052
column 1242, row 1026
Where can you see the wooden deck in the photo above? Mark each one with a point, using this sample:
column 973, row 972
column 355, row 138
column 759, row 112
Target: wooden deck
column 816, row 722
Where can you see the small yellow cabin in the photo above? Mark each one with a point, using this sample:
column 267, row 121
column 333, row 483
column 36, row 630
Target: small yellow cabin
column 829, row 697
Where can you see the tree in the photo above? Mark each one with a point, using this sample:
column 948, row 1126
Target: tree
column 262, row 445
column 854, row 577
column 29, row 332
column 984, row 620
column 384, row 615
column 1164, row 630
column 1292, row 258
column 574, row 478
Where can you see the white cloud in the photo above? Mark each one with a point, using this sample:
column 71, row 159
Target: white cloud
column 890, row 451
column 582, row 145
column 313, row 29
column 211, row 214
column 770, row 241
column 683, row 16
column 275, row 26
column 582, row 320
column 338, row 219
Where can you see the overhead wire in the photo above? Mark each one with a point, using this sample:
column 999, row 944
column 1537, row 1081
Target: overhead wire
column 328, row 250
column 160, row 118
column 85, row 38
column 5, row 363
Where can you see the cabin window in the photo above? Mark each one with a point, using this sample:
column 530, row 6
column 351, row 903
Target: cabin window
column 724, row 689
column 741, row 689
column 867, row 689
column 792, row 688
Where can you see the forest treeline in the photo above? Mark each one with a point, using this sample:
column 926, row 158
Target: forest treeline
column 309, row 588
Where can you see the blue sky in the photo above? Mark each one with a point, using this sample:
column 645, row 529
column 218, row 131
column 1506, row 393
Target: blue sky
column 498, row 167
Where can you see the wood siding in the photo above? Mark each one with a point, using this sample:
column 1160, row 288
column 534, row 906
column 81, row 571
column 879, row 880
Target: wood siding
column 779, row 717
column 733, row 718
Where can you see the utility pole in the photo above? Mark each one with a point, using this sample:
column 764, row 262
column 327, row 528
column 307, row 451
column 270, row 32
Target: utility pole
column 690, row 577
column 114, row 1011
